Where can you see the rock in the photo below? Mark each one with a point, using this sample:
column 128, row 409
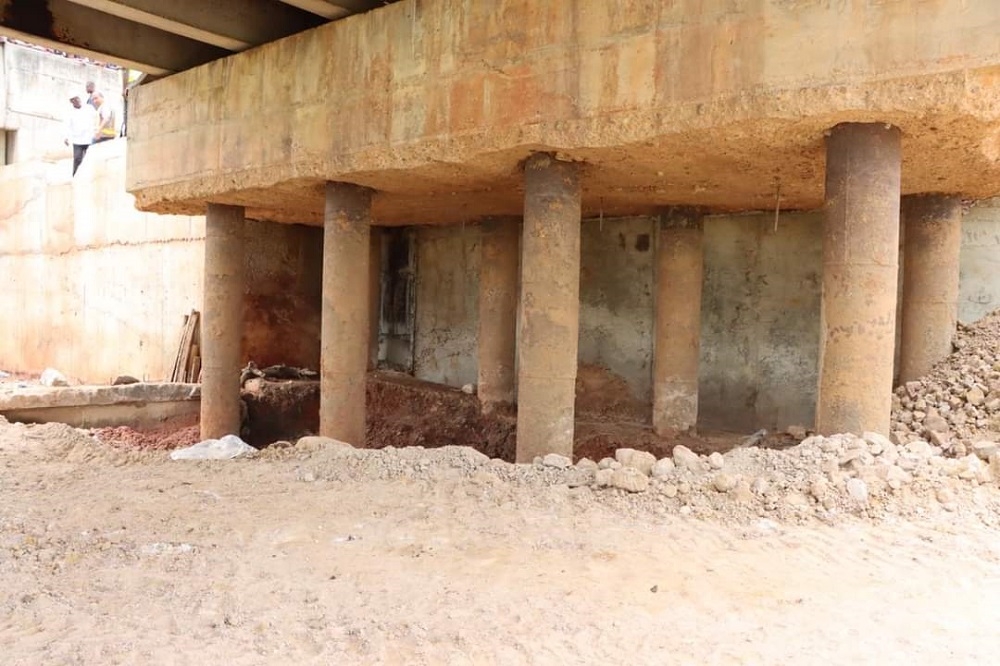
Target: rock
column 995, row 466
column 819, row 488
column 716, row 461
column 685, row 458
column 935, row 423
column 664, row 467
column 608, row 463
column 724, row 482
column 796, row 500
column 640, row 460
column 586, row 464
column 602, row 478
column 919, row 448
column 123, row 380
column 760, row 486
column 858, row 490
column 945, row 495
column 941, row 439
column 52, row 377
column 975, row 396
column 226, row 448
column 796, row 432
column 670, row 490
column 313, row 442
column 992, row 405
column 469, row 389
column 984, row 449
column 877, row 443
column 629, row 479
column 556, row 460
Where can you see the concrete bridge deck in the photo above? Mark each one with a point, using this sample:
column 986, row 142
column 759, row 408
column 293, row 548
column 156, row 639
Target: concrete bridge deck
column 435, row 104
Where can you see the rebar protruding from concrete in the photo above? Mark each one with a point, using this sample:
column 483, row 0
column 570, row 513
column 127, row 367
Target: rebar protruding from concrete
column 498, row 272
column 932, row 244
column 222, row 321
column 550, row 308
column 860, row 266
column 679, row 267
column 345, row 334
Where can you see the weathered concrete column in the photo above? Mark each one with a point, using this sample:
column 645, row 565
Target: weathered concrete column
column 498, row 310
column 374, row 294
column 222, row 321
column 860, row 264
column 345, row 320
column 550, row 308
column 932, row 243
column 678, row 321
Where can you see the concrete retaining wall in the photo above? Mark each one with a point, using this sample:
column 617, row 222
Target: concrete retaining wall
column 95, row 288
column 35, row 87
column 760, row 312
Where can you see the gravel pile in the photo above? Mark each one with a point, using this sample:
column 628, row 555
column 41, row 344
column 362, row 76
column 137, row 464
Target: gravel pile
column 823, row 478
column 957, row 404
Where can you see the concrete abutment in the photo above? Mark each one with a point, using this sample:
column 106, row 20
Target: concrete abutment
column 932, row 243
column 550, row 308
column 860, row 274
column 346, row 327
column 497, row 337
column 677, row 335
column 222, row 320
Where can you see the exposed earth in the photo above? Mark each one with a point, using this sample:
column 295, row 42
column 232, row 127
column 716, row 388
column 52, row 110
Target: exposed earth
column 320, row 554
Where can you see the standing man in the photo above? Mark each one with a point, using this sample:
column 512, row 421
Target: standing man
column 80, row 129
column 106, row 119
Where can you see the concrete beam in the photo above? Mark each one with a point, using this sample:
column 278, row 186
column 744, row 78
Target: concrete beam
column 322, row 8
column 70, row 27
column 234, row 25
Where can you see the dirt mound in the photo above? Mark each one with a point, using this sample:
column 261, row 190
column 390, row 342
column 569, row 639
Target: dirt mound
column 958, row 403
column 166, row 438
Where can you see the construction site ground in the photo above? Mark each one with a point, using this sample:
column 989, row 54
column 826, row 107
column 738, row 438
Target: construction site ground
column 116, row 555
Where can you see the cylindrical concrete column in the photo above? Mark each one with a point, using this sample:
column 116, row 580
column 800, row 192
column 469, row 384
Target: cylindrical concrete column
column 222, row 321
column 932, row 243
column 498, row 310
column 550, row 308
column 345, row 321
column 374, row 295
column 860, row 265
column 678, row 321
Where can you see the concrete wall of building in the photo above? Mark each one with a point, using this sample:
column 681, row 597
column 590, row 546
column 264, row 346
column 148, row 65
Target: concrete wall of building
column 35, row 87
column 97, row 288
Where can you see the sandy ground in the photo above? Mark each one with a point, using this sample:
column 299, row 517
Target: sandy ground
column 128, row 558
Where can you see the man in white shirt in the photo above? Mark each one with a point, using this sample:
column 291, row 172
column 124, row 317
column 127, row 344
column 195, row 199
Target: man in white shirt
column 106, row 129
column 80, row 129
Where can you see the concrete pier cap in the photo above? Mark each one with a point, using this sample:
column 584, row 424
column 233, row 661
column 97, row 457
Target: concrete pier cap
column 437, row 102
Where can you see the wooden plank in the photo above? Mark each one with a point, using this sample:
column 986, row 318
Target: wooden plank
column 175, row 373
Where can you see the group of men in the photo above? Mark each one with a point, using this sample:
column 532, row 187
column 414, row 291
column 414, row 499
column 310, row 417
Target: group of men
column 90, row 122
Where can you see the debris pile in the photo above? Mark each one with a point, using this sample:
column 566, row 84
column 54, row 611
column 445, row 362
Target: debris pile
column 957, row 404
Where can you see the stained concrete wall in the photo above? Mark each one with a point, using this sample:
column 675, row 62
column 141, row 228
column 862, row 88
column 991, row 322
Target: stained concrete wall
column 979, row 287
column 92, row 286
column 96, row 288
column 616, row 316
column 35, row 87
column 447, row 311
column 282, row 306
column 760, row 312
column 760, row 321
